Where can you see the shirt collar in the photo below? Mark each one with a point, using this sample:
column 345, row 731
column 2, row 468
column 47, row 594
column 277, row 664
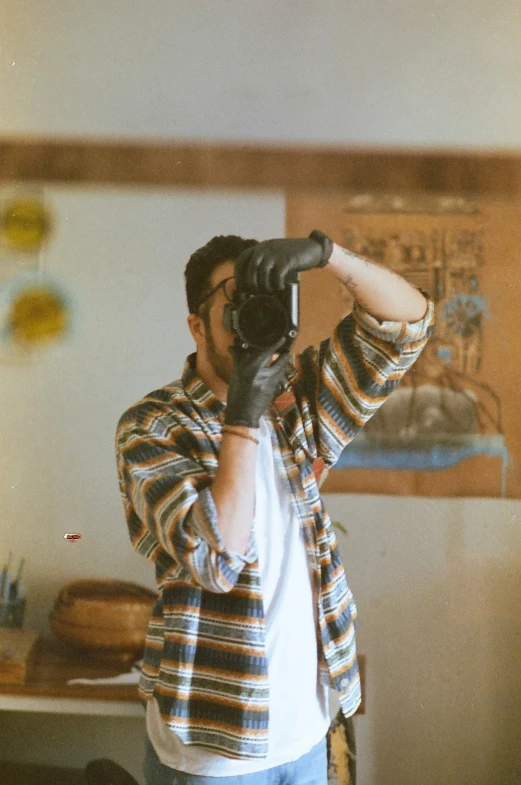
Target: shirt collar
column 198, row 392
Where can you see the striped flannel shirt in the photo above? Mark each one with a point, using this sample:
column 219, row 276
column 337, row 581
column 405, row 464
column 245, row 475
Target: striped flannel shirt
column 205, row 659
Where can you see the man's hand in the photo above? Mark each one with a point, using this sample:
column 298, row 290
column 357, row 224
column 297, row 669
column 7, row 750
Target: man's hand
column 253, row 384
column 268, row 266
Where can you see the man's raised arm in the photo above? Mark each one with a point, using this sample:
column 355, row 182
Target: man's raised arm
column 386, row 295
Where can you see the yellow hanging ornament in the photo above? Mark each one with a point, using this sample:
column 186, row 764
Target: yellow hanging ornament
column 37, row 315
column 25, row 224
column 35, row 312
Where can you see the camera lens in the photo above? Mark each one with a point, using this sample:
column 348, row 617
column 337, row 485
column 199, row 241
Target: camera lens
column 262, row 321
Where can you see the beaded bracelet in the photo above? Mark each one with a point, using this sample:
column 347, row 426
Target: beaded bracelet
column 226, row 429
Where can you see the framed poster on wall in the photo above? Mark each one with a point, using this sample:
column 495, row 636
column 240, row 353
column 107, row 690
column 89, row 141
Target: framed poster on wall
column 451, row 427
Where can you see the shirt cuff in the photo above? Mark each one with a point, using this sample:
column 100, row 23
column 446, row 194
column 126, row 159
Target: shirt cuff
column 214, row 536
column 396, row 332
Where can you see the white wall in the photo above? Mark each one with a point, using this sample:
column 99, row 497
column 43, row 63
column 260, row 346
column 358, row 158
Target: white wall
column 317, row 71
column 437, row 582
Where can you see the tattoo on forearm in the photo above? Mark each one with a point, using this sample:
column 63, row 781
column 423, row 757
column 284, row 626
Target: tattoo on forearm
column 367, row 262
column 353, row 289
column 350, row 282
column 370, row 263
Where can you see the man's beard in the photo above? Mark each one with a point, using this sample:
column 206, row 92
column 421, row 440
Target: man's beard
column 221, row 365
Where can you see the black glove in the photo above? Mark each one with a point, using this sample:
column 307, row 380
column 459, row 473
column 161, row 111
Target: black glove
column 254, row 384
column 268, row 266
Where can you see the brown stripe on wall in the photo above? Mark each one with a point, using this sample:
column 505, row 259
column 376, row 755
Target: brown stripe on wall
column 210, row 165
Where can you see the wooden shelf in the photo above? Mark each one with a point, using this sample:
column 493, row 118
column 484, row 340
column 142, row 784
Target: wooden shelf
column 54, row 664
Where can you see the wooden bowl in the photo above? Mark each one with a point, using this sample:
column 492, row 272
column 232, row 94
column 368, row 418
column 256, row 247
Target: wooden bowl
column 104, row 617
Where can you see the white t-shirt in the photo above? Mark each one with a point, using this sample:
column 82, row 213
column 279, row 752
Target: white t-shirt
column 298, row 703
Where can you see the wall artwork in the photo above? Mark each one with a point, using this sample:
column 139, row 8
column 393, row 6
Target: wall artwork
column 451, row 427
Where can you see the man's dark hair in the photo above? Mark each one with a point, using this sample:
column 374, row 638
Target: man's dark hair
column 203, row 262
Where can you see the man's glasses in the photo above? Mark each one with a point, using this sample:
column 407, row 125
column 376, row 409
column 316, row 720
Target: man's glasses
column 228, row 287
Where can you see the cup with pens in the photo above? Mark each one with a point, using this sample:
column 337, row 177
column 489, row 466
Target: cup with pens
column 12, row 595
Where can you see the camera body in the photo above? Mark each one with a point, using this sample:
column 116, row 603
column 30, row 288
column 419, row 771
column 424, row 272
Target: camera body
column 260, row 320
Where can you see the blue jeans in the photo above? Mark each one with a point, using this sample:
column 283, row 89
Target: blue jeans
column 309, row 769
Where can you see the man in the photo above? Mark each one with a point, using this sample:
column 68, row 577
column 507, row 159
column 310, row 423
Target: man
column 219, row 477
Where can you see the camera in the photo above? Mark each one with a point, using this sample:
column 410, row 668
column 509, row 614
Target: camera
column 260, row 320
